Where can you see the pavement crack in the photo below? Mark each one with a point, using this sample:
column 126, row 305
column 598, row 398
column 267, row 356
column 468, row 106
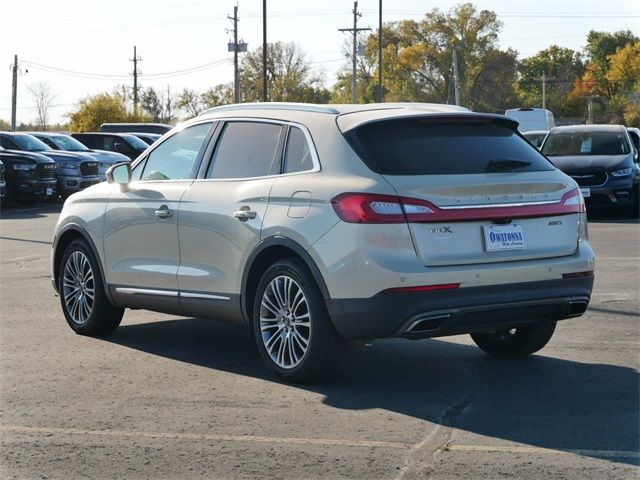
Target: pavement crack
column 420, row 459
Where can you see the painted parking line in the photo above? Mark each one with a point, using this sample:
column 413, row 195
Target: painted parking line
column 202, row 436
column 545, row 451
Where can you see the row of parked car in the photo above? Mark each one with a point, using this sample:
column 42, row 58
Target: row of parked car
column 47, row 165
column 602, row 159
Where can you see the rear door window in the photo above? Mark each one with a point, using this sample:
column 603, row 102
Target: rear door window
column 247, row 150
column 297, row 153
column 423, row 147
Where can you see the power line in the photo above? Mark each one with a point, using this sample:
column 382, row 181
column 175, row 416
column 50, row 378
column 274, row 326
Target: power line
column 103, row 76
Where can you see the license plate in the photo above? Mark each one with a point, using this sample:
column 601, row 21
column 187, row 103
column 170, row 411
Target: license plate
column 49, row 192
column 586, row 192
column 503, row 237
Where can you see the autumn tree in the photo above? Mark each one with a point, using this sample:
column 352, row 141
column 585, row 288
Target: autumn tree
column 418, row 61
column 95, row 110
column 611, row 95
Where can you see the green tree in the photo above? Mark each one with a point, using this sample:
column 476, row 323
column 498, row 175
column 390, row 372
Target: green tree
column 290, row 77
column 95, row 110
column 151, row 103
column 563, row 67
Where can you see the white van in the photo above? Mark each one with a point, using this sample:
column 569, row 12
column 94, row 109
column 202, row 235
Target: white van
column 532, row 118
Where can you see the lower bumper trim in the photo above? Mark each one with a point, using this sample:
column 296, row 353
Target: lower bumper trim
column 459, row 311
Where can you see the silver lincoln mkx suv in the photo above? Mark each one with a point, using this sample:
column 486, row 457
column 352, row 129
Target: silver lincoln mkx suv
column 316, row 225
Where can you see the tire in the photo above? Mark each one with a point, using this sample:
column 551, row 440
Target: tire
column 80, row 278
column 294, row 335
column 516, row 342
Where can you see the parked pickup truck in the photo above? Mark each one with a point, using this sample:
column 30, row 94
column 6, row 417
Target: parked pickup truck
column 74, row 170
column 64, row 142
column 28, row 176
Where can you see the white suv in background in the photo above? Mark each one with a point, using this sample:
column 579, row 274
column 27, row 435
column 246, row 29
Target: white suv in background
column 315, row 225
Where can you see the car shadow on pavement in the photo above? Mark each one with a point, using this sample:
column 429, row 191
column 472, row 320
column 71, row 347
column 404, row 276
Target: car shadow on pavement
column 29, row 211
column 538, row 401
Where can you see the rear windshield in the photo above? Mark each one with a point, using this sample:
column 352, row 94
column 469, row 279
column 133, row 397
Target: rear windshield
column 417, row 147
column 563, row 144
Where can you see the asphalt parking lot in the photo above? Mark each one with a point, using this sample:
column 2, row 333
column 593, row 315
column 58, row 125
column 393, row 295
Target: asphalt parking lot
column 168, row 397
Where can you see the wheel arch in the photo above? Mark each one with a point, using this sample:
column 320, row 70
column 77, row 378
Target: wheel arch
column 65, row 236
column 265, row 254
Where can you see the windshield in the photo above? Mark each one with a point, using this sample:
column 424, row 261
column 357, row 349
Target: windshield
column 29, row 143
column 136, row 143
column 564, row 144
column 535, row 138
column 414, row 147
column 64, row 142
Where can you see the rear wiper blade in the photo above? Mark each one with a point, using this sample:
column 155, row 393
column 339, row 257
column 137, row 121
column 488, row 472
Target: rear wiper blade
column 505, row 165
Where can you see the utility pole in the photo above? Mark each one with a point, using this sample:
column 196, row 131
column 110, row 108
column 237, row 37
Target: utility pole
column 14, row 92
column 544, row 89
column 590, row 99
column 236, row 74
column 354, row 31
column 135, row 61
column 264, row 50
column 456, row 78
column 380, row 91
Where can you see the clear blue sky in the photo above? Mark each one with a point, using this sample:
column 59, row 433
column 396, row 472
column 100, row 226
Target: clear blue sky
column 97, row 37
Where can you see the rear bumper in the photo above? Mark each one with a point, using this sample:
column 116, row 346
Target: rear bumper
column 463, row 310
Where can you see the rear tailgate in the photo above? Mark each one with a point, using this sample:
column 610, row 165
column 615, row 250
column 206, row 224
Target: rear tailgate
column 481, row 192
column 501, row 217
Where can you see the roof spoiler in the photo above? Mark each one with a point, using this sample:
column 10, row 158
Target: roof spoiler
column 452, row 117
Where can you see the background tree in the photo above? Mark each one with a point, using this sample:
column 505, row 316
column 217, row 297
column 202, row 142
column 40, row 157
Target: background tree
column 564, row 68
column 190, row 102
column 95, row 110
column 290, row 77
column 612, row 93
column 219, row 95
column 152, row 104
column 42, row 95
column 418, row 61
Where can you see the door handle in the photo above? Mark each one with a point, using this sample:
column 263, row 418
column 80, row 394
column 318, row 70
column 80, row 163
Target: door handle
column 164, row 212
column 244, row 215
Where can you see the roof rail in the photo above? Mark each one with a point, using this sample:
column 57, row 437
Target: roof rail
column 302, row 107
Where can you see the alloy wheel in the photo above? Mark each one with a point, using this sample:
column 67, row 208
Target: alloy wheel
column 78, row 287
column 285, row 322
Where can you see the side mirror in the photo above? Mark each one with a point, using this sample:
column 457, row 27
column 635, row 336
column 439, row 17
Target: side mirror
column 119, row 173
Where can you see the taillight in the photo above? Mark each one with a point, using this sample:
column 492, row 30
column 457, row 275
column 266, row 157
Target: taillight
column 375, row 208
column 574, row 198
column 368, row 208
